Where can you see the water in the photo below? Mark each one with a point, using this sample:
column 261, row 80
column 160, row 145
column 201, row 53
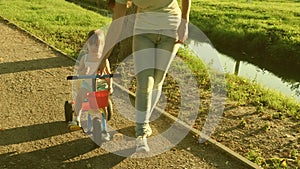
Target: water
column 247, row 70
column 252, row 72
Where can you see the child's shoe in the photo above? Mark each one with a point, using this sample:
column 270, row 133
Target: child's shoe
column 74, row 125
column 105, row 136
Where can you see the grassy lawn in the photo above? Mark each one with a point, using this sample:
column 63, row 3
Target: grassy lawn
column 60, row 23
column 256, row 29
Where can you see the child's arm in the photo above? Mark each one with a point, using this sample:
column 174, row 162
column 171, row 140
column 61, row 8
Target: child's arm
column 80, row 67
column 107, row 70
column 82, row 70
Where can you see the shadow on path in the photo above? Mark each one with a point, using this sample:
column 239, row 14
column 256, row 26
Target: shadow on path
column 53, row 156
column 37, row 64
column 56, row 157
column 31, row 133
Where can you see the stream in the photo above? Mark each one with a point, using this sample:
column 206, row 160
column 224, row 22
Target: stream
column 247, row 70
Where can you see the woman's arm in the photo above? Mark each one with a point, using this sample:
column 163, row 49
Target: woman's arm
column 185, row 15
column 114, row 32
column 119, row 11
column 186, row 8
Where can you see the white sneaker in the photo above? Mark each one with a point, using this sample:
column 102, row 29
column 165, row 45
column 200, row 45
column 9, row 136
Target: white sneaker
column 142, row 145
column 105, row 136
column 143, row 129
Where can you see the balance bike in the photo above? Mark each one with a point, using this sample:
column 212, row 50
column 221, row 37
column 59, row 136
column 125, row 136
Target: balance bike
column 93, row 118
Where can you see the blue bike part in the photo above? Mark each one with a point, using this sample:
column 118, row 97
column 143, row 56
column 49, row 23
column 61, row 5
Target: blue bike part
column 89, row 123
column 103, row 121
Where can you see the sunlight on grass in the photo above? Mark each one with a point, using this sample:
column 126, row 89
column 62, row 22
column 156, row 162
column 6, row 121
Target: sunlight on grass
column 60, row 23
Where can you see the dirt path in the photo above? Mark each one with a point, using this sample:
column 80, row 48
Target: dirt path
column 33, row 133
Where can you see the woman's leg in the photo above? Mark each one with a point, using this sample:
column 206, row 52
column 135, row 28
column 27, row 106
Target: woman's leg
column 153, row 55
column 165, row 53
column 144, row 51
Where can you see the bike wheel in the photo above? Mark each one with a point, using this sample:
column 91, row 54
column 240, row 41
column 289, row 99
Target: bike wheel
column 68, row 111
column 97, row 131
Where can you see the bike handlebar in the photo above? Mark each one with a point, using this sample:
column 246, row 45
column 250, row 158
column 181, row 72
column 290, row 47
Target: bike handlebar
column 92, row 76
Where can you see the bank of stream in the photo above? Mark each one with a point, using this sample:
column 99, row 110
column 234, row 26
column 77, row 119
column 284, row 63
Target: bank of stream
column 280, row 82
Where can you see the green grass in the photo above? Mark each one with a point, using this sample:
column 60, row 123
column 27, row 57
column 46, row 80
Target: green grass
column 259, row 28
column 60, row 23
column 246, row 92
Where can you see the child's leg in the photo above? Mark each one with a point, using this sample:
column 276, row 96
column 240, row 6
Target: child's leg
column 105, row 134
column 81, row 96
column 104, row 117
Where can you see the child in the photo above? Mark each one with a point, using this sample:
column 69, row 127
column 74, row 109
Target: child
column 88, row 65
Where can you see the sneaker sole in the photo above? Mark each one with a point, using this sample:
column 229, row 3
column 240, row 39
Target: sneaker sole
column 142, row 150
column 74, row 128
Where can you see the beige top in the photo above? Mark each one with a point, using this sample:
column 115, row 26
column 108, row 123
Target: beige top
column 156, row 14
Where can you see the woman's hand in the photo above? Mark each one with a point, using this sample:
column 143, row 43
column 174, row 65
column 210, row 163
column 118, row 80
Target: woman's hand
column 182, row 31
column 102, row 66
